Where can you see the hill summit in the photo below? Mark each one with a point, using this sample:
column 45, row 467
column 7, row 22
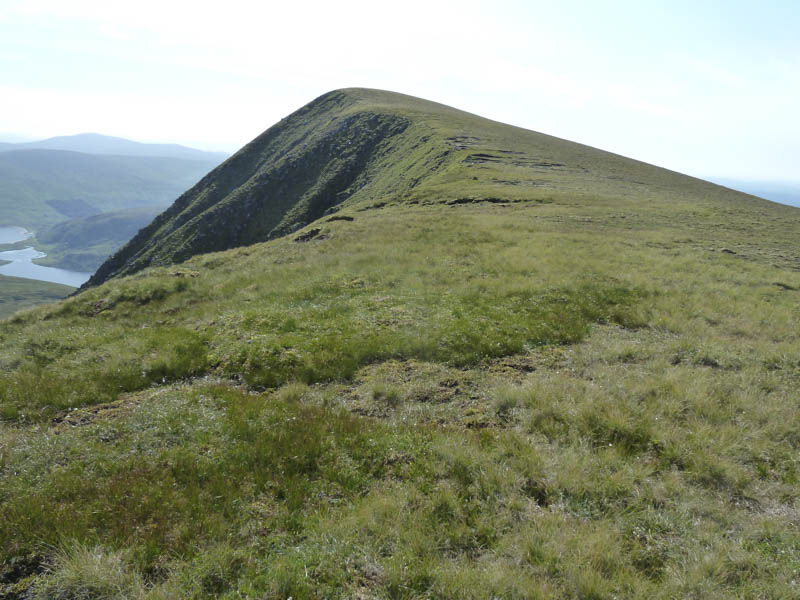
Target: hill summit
column 362, row 148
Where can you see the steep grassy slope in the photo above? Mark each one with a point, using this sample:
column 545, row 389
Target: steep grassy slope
column 561, row 395
column 39, row 188
column 84, row 243
column 358, row 148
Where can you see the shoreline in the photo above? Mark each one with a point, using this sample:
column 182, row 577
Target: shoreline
column 18, row 262
column 10, row 235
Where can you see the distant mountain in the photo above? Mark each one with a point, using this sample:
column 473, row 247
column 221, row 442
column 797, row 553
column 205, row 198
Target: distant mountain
column 39, row 188
column 784, row 192
column 94, row 143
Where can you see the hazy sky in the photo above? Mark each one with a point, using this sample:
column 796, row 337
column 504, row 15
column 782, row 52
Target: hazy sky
column 710, row 88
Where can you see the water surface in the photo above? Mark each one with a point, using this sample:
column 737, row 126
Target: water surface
column 12, row 234
column 21, row 265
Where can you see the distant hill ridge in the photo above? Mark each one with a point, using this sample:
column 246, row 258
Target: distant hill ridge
column 785, row 192
column 361, row 148
column 95, row 143
column 83, row 243
column 39, row 187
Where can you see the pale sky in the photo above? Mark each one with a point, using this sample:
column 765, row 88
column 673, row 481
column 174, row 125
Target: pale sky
column 708, row 88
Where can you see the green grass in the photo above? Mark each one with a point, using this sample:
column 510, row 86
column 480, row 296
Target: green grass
column 310, row 319
column 475, row 400
column 642, row 443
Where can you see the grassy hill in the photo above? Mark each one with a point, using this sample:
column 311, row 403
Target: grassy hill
column 506, row 366
column 362, row 148
column 39, row 188
column 20, row 293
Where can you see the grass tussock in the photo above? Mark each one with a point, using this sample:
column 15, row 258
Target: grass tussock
column 82, row 572
column 323, row 325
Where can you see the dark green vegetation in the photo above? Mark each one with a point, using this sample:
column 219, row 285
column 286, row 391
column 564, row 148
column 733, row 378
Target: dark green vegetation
column 509, row 380
column 20, row 293
column 84, row 243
